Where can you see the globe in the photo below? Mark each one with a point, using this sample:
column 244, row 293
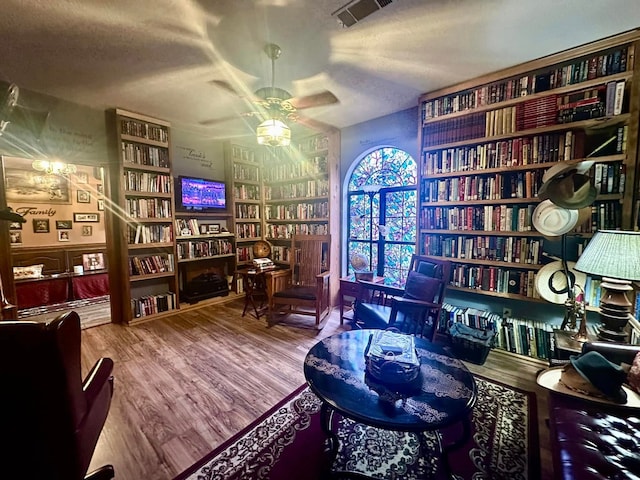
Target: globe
column 261, row 249
column 359, row 262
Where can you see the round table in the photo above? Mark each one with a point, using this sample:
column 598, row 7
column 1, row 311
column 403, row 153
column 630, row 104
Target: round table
column 443, row 394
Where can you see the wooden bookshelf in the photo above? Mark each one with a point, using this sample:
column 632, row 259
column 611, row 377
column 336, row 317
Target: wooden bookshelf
column 301, row 196
column 143, row 246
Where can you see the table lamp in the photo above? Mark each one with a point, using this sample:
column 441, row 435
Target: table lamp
column 615, row 256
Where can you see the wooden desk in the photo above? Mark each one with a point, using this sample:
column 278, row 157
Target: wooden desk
column 349, row 289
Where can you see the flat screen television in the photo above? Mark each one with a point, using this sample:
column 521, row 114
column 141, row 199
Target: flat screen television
column 201, row 194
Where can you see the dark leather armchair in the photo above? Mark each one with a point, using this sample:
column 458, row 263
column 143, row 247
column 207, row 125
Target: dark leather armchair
column 50, row 418
column 413, row 309
column 591, row 439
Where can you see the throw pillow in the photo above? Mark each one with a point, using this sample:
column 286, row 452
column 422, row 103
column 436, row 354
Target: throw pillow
column 31, row 271
column 633, row 377
column 421, row 287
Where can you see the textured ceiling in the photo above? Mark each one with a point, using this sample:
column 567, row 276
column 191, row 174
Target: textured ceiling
column 159, row 56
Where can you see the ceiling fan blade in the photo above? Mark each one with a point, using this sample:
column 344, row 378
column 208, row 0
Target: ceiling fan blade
column 313, row 124
column 225, row 86
column 315, row 100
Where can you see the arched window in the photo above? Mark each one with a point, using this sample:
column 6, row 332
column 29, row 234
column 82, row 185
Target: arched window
column 381, row 206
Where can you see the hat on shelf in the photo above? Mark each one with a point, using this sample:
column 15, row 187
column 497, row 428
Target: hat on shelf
column 597, row 377
column 551, row 281
column 552, row 220
column 567, row 185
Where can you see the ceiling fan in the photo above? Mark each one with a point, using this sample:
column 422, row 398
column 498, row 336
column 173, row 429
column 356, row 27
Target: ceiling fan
column 276, row 103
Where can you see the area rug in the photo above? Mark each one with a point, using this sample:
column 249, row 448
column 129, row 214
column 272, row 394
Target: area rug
column 287, row 442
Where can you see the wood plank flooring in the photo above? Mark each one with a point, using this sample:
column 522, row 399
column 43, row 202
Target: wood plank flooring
column 189, row 381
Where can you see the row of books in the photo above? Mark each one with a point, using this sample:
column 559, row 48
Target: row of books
column 501, row 121
column 532, row 150
column 294, row 170
column 609, row 177
column 308, row 188
column 147, row 182
column 145, row 155
column 246, row 172
column 315, row 143
column 144, row 130
column 137, row 234
column 596, row 66
column 297, row 211
column 288, row 230
column 244, row 254
column 469, row 316
column 456, row 129
column 492, row 248
column 150, row 264
column 537, row 112
column 187, row 226
column 242, row 154
column 604, row 216
column 152, row 304
column 246, row 211
column 495, row 279
column 281, row 253
column 248, row 230
column 483, row 187
column 503, row 218
column 246, row 192
column 203, row 248
column 148, row 207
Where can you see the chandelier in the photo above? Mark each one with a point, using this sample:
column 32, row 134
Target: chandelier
column 273, row 133
column 54, row 168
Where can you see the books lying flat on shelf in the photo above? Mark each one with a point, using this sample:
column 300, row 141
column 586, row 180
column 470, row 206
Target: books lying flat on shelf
column 262, row 264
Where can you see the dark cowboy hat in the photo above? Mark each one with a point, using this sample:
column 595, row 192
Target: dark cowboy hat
column 606, row 376
column 568, row 186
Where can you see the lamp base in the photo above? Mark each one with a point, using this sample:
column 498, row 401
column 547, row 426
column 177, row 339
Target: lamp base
column 615, row 310
column 611, row 335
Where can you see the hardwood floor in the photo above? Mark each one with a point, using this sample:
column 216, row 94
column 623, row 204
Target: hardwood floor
column 187, row 382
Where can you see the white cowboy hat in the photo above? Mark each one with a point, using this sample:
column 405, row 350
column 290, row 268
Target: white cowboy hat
column 551, row 281
column 552, row 221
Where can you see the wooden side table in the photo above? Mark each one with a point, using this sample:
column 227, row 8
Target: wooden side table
column 565, row 346
column 255, row 291
column 349, row 290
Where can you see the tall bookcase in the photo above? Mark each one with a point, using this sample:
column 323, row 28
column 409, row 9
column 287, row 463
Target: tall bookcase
column 301, row 196
column 142, row 271
column 245, row 166
column 486, row 143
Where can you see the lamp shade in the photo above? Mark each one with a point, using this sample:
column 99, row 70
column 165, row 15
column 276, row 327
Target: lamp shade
column 274, row 133
column 612, row 254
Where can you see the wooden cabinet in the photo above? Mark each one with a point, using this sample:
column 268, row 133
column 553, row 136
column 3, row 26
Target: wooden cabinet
column 143, row 264
column 485, row 145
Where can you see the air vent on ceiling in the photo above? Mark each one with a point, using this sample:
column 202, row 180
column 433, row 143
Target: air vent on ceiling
column 355, row 11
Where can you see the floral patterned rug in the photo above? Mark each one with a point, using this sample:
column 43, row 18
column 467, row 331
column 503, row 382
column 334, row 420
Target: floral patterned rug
column 287, row 442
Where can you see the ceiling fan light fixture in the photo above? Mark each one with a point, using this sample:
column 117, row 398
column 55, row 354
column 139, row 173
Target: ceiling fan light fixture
column 273, row 133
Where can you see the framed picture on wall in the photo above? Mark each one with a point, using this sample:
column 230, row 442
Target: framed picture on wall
column 84, row 196
column 15, row 226
column 40, row 225
column 16, row 237
column 87, row 230
column 100, row 205
column 100, row 190
column 64, row 224
column 29, row 186
column 86, row 217
column 93, row 261
column 63, row 235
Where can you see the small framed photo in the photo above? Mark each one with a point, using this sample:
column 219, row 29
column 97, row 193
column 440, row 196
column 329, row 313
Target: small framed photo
column 100, row 205
column 93, row 261
column 214, row 228
column 84, row 196
column 64, row 224
column 16, row 237
column 100, row 190
column 87, row 230
column 15, row 226
column 63, row 235
column 82, row 177
column 86, row 217
column 40, row 225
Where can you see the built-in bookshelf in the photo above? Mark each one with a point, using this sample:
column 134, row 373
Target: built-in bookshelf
column 143, row 260
column 245, row 165
column 485, row 145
